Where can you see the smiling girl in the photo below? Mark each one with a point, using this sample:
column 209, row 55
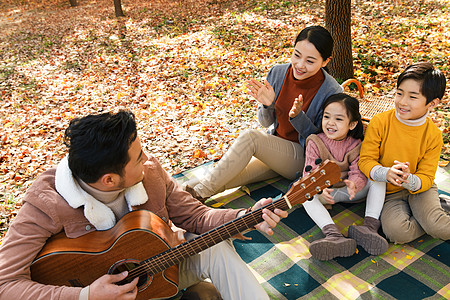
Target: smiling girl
column 340, row 141
column 290, row 104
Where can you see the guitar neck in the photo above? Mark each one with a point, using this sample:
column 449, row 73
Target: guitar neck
column 208, row 239
column 324, row 176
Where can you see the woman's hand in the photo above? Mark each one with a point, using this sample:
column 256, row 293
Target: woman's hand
column 296, row 107
column 263, row 93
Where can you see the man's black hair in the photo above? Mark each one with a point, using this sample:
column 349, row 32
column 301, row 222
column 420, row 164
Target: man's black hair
column 98, row 144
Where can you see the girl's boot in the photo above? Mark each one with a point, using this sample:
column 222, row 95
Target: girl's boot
column 367, row 236
column 333, row 245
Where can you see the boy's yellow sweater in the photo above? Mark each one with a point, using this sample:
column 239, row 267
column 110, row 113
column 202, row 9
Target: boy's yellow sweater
column 387, row 139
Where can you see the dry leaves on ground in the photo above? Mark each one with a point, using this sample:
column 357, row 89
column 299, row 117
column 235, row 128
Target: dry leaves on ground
column 180, row 67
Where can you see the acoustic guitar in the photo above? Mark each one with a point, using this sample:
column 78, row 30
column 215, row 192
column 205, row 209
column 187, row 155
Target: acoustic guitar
column 144, row 245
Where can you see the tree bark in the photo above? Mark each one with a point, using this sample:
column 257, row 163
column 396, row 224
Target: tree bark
column 118, row 8
column 338, row 22
column 73, row 3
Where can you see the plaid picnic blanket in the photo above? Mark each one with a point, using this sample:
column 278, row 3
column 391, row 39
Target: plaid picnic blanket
column 284, row 267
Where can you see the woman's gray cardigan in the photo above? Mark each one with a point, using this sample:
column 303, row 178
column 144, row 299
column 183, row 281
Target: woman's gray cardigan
column 305, row 123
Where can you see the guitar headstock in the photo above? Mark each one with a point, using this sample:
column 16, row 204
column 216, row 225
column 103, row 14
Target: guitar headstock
column 325, row 175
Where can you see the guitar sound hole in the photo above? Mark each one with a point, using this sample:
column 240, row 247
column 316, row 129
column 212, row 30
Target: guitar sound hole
column 129, row 265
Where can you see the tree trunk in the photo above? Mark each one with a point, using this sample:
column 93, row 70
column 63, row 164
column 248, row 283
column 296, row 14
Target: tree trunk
column 73, row 3
column 118, row 8
column 338, row 22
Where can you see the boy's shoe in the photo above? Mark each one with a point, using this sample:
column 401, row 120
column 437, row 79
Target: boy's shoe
column 333, row 245
column 367, row 236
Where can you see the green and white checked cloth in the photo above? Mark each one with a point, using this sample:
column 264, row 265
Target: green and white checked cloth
column 283, row 265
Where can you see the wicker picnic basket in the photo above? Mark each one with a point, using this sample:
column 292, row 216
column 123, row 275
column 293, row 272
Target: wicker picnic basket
column 369, row 105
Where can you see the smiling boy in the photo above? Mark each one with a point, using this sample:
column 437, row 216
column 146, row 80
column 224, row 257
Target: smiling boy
column 402, row 147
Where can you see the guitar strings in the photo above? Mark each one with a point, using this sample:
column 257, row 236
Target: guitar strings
column 175, row 255
column 159, row 262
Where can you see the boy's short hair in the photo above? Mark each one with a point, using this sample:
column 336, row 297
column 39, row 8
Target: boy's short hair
column 432, row 80
column 98, row 144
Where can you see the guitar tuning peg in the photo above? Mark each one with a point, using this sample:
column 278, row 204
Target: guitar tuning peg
column 308, row 168
column 318, row 161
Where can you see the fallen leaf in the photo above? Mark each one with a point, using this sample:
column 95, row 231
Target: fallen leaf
column 443, row 163
column 245, row 189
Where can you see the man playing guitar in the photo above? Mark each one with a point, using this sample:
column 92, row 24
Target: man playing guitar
column 105, row 175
